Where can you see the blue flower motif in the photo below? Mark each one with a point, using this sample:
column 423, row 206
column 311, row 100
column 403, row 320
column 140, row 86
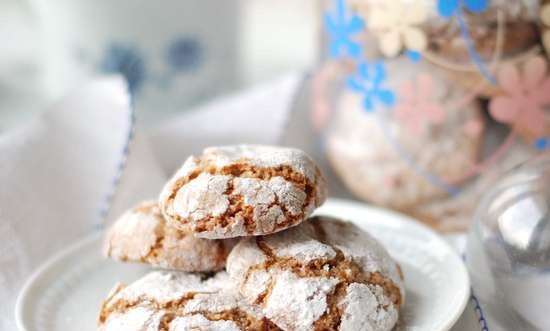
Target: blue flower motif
column 541, row 143
column 368, row 81
column 184, row 54
column 448, row 8
column 341, row 29
column 127, row 61
column 414, row 56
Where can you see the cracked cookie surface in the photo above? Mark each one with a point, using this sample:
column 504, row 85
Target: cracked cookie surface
column 176, row 301
column 243, row 190
column 324, row 274
column 142, row 235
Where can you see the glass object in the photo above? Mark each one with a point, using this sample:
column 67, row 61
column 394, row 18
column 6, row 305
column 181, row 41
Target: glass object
column 508, row 251
column 420, row 103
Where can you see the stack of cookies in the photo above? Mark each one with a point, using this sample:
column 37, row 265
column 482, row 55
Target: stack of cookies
column 236, row 249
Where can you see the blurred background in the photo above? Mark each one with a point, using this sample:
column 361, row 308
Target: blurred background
column 417, row 107
column 215, row 49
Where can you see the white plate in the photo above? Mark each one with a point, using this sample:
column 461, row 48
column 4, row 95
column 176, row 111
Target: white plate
column 66, row 292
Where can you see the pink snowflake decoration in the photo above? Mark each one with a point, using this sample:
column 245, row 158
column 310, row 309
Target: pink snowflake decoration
column 416, row 108
column 525, row 96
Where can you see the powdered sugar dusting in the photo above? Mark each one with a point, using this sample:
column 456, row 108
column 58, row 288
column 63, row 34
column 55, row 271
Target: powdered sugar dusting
column 262, row 156
column 261, row 196
column 364, row 309
column 161, row 287
column 296, row 303
column 225, row 300
column 295, row 300
column 254, row 191
column 186, row 296
column 133, row 235
column 199, row 322
column 255, row 285
column 202, row 197
column 299, row 243
column 292, row 198
column 190, row 165
column 220, row 280
column 142, row 235
column 211, row 303
column 275, row 202
column 140, row 318
column 359, row 246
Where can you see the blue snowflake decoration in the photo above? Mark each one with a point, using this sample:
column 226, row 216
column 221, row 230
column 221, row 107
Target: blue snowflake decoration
column 341, row 26
column 127, row 61
column 448, row 8
column 368, row 81
column 184, row 54
column 541, row 144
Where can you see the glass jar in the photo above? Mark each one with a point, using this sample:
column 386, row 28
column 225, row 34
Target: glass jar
column 404, row 127
column 508, row 251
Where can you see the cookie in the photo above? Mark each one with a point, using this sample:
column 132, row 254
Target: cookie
column 143, row 235
column 394, row 163
column 324, row 274
column 243, row 190
column 175, row 301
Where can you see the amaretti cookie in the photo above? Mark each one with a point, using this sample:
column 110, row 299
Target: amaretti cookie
column 143, row 235
column 324, row 274
column 243, row 190
column 174, row 301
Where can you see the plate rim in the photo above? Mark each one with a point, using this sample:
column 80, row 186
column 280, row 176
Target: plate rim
column 410, row 221
column 32, row 282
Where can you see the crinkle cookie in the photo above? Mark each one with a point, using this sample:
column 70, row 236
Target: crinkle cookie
column 174, row 301
column 142, row 235
column 243, row 190
column 324, row 274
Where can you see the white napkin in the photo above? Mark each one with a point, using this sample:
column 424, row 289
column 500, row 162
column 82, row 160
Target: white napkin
column 59, row 177
column 256, row 116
